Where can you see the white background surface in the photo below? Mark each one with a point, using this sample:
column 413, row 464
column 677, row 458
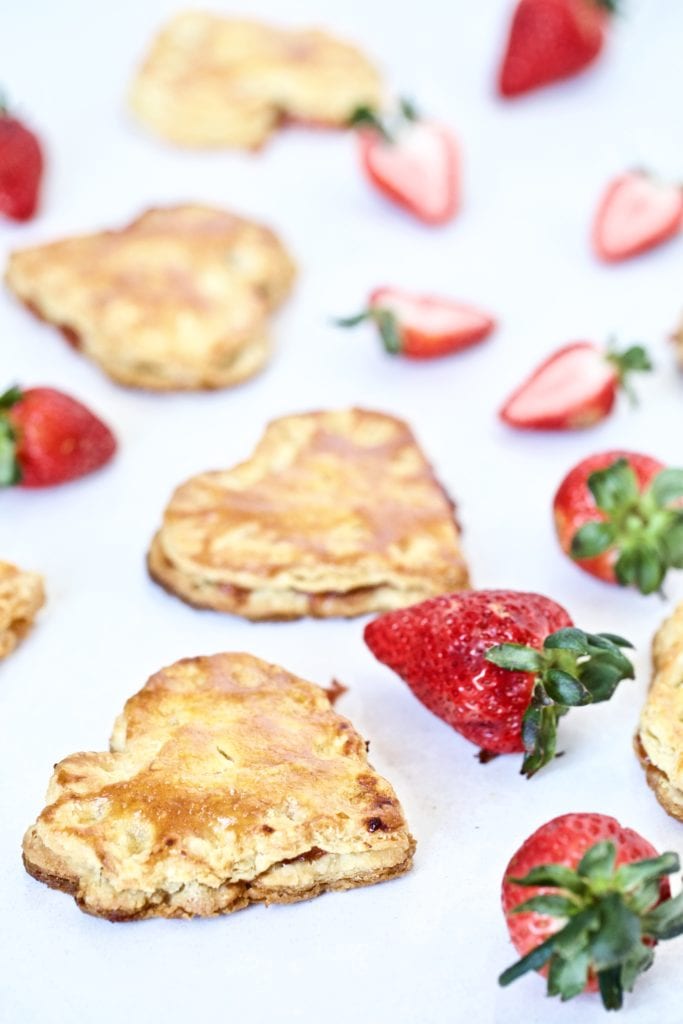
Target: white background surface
column 426, row 948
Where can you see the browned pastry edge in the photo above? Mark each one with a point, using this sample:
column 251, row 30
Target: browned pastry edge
column 73, row 339
column 667, row 794
column 346, row 604
column 244, row 894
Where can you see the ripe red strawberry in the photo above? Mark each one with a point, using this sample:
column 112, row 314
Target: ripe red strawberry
column 47, row 438
column 585, row 901
column 422, row 326
column 500, row 666
column 415, row 162
column 636, row 213
column 618, row 515
column 573, row 388
column 21, row 168
column 550, row 40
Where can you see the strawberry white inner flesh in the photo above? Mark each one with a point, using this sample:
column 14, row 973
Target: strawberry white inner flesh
column 639, row 209
column 566, row 383
column 431, row 316
column 420, row 166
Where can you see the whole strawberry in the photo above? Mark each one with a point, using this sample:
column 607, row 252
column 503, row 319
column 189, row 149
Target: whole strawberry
column 21, row 168
column 586, row 901
column 550, row 40
column 637, row 212
column 414, row 162
column 422, row 326
column 573, row 388
column 47, row 438
column 500, row 666
column 619, row 517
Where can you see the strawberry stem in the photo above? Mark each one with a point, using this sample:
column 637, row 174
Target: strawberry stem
column 366, row 117
column 614, row 916
column 573, row 668
column 387, row 325
column 633, row 360
column 646, row 529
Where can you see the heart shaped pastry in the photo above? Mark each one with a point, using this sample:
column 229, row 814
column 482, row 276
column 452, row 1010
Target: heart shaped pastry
column 21, row 597
column 215, row 81
column 335, row 514
column 179, row 299
column 229, row 781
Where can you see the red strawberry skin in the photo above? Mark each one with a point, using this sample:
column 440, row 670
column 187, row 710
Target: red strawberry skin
column 419, row 171
column 574, row 505
column 430, row 326
column 550, row 40
column 21, row 168
column 574, row 388
column 563, row 840
column 58, row 438
column 636, row 213
column 438, row 648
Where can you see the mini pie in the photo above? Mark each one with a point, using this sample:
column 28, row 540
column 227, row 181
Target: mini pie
column 215, row 81
column 178, row 299
column 21, row 597
column 334, row 514
column 229, row 781
column 659, row 740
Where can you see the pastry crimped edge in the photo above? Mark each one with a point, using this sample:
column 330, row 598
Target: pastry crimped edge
column 658, row 742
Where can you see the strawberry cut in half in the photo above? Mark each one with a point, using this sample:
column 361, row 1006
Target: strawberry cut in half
column 414, row 162
column 48, row 438
column 637, row 212
column 573, row 388
column 500, row 666
column 422, row 326
column 21, row 168
column 619, row 516
column 550, row 40
column 586, row 901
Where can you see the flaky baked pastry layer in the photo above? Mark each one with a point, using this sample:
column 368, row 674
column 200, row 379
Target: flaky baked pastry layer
column 215, row 81
column 178, row 299
column 229, row 781
column 21, row 597
column 659, row 740
column 335, row 514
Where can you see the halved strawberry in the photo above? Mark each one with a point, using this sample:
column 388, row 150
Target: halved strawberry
column 618, row 515
column 422, row 326
column 586, row 901
column 415, row 162
column 636, row 213
column 573, row 388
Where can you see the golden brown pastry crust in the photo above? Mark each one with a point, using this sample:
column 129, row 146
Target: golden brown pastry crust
column 334, row 514
column 179, row 299
column 659, row 740
column 215, row 81
column 229, row 781
column 21, row 597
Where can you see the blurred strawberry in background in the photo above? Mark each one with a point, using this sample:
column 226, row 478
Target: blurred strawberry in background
column 637, row 212
column 550, row 40
column 21, row 167
column 413, row 161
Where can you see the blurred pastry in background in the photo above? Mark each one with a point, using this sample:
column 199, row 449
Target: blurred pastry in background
column 209, row 80
column 335, row 514
column 180, row 299
column 21, row 597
